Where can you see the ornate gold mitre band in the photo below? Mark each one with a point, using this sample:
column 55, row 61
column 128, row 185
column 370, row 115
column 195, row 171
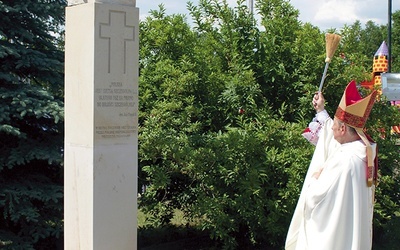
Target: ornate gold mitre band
column 354, row 121
column 354, row 110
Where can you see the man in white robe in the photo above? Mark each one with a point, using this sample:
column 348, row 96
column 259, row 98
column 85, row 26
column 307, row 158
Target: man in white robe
column 335, row 207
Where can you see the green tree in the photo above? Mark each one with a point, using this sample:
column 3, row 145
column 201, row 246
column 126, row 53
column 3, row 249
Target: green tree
column 280, row 78
column 169, row 109
column 396, row 42
column 195, row 105
column 371, row 38
column 31, row 123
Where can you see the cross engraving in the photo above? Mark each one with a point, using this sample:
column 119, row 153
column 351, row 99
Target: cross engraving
column 117, row 37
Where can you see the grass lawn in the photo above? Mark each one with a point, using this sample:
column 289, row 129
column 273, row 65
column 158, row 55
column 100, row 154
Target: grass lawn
column 176, row 236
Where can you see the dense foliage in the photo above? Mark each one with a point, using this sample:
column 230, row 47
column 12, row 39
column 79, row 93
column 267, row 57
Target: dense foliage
column 223, row 102
column 31, row 123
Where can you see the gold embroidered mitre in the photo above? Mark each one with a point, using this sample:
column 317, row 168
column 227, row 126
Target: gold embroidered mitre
column 354, row 110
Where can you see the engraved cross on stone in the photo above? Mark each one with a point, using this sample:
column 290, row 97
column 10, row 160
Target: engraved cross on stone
column 118, row 34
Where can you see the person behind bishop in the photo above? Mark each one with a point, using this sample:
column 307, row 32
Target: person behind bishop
column 335, row 207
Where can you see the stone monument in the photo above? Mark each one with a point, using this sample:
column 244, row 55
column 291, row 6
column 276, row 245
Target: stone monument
column 101, row 125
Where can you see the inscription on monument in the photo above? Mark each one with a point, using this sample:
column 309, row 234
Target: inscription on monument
column 120, row 103
column 116, row 96
column 115, row 131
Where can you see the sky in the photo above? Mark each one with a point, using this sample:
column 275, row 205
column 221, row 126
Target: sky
column 325, row 14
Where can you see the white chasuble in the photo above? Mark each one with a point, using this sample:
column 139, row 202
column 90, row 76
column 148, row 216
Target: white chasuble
column 334, row 211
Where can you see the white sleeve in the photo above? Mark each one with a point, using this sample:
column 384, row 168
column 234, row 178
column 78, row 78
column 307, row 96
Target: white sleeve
column 311, row 133
column 321, row 117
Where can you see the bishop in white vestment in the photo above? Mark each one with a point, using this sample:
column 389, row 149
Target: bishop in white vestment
column 335, row 207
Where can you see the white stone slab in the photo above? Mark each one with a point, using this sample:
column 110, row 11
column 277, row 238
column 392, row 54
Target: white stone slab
column 101, row 105
column 128, row 2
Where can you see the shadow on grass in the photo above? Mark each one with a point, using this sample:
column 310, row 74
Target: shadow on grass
column 174, row 237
